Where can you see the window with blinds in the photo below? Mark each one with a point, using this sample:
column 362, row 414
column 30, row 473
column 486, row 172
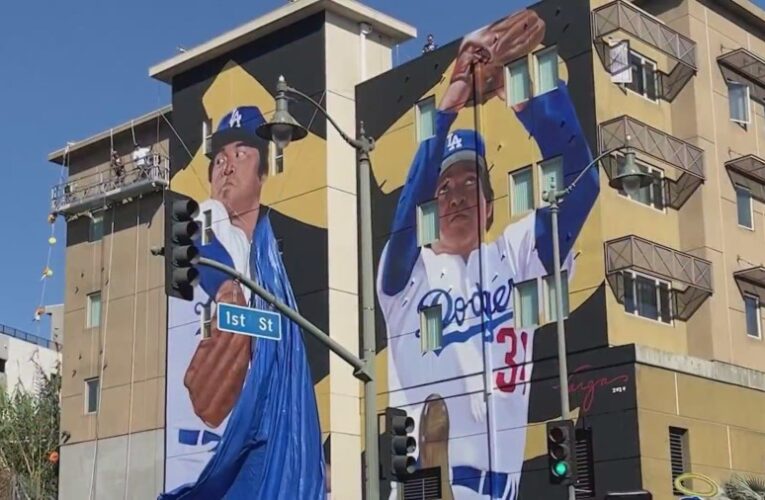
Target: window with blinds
column 526, row 304
column 585, row 466
column 678, row 454
column 424, row 484
column 207, row 231
column 547, row 70
column 425, row 118
column 521, row 192
column 518, row 82
column 427, row 223
column 431, row 333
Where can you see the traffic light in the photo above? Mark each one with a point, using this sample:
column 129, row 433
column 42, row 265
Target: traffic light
column 560, row 452
column 180, row 252
column 397, row 445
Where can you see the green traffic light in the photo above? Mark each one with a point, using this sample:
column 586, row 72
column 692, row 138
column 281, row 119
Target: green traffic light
column 560, row 469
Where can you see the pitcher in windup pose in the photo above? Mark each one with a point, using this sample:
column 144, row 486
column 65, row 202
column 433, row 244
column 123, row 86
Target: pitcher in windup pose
column 473, row 281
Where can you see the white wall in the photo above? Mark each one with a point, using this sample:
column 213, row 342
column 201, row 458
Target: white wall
column 23, row 359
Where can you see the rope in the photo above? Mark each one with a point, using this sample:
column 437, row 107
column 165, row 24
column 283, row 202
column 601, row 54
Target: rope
column 51, row 242
column 132, row 352
column 102, row 339
column 132, row 131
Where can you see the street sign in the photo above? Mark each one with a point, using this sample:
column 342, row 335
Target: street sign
column 694, row 497
column 249, row 321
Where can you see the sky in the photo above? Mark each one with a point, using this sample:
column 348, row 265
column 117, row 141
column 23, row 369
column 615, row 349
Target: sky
column 72, row 69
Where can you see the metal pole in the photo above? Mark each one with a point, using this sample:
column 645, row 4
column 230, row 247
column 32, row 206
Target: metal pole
column 368, row 326
column 360, row 366
column 565, row 411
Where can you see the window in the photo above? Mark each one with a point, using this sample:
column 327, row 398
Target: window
column 551, row 303
column 276, row 159
column 752, row 308
column 526, row 304
column 522, row 189
column 91, row 395
column 744, row 207
column 547, row 70
column 431, row 333
column 651, row 195
column 2, row 365
column 427, row 223
column 205, row 319
column 643, row 76
column 207, row 131
column 585, row 465
column 96, row 230
column 426, row 118
column 738, row 102
column 423, row 484
column 647, row 297
column 678, row 454
column 94, row 310
column 207, row 232
column 551, row 174
column 518, row 82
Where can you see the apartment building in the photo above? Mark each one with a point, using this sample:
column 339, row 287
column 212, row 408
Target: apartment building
column 662, row 287
column 113, row 370
column 24, row 356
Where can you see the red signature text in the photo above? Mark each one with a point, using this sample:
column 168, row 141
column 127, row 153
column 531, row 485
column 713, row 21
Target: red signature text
column 589, row 388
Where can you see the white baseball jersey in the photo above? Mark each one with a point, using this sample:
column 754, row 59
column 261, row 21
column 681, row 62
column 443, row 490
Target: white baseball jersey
column 458, row 371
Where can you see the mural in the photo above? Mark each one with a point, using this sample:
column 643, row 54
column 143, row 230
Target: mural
column 482, row 253
column 242, row 413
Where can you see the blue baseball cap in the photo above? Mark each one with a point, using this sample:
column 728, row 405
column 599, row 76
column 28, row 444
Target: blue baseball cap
column 463, row 145
column 239, row 125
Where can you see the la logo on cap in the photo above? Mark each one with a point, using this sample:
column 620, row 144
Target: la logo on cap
column 236, row 119
column 453, row 142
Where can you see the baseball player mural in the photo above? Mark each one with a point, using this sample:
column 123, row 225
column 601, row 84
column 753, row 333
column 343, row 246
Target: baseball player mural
column 249, row 407
column 478, row 443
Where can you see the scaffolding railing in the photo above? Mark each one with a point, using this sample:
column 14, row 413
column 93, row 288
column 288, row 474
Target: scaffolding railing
column 135, row 177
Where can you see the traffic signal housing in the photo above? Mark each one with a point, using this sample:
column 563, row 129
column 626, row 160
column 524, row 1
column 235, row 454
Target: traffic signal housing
column 560, row 452
column 181, row 253
column 397, row 446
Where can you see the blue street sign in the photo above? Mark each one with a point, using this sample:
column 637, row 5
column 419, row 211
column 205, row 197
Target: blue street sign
column 691, row 498
column 249, row 321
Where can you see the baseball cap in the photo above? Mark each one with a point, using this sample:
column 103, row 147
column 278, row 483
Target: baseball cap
column 239, row 125
column 463, row 145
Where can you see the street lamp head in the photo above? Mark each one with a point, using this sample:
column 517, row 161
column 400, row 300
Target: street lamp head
column 282, row 128
column 629, row 177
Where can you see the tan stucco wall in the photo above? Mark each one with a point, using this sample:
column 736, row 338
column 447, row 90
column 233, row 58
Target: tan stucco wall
column 725, row 423
column 131, row 338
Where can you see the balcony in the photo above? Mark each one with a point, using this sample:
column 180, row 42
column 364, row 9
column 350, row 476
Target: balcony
column 743, row 66
column 748, row 171
column 751, row 282
column 28, row 337
column 621, row 16
column 659, row 145
column 691, row 276
column 104, row 188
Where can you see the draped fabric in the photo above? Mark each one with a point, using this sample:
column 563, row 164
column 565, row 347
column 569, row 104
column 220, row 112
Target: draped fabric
column 271, row 448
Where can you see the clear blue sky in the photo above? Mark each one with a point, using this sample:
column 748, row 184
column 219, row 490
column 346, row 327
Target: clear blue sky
column 71, row 69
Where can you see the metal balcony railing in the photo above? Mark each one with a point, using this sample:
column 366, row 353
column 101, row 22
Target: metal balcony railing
column 28, row 337
column 690, row 276
column 745, row 67
column 85, row 193
column 623, row 16
column 633, row 252
column 653, row 142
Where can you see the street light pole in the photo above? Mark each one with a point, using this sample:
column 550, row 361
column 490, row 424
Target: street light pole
column 631, row 179
column 282, row 129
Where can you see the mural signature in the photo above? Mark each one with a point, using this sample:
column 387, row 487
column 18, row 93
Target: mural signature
column 589, row 388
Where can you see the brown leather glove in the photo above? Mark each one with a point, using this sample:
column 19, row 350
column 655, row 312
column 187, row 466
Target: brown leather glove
column 496, row 45
column 216, row 373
